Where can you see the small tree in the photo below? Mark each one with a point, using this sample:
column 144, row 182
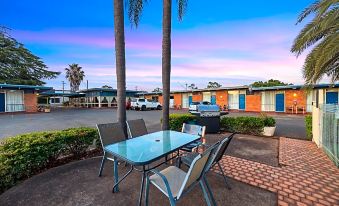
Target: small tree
column 75, row 75
column 107, row 87
column 18, row 65
column 157, row 90
column 213, row 85
column 192, row 86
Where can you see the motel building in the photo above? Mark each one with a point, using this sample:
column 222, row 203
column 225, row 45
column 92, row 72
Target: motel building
column 20, row 98
column 293, row 99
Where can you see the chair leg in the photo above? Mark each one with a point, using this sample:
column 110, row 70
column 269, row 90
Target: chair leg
column 209, row 191
column 205, row 193
column 224, row 176
column 146, row 191
column 102, row 165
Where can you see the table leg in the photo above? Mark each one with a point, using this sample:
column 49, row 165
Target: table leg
column 116, row 176
column 142, row 185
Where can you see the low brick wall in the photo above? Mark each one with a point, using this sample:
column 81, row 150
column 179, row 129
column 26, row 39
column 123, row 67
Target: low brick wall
column 31, row 102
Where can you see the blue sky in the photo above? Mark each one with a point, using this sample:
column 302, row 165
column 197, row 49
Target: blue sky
column 232, row 42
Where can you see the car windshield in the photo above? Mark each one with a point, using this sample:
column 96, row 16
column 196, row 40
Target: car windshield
column 141, row 100
column 206, row 103
column 194, row 103
column 133, row 100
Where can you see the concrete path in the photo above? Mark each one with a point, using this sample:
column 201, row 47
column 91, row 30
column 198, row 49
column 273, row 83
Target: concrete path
column 10, row 125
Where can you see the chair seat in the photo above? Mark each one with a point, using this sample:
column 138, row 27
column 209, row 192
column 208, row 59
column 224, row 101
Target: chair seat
column 188, row 159
column 191, row 146
column 175, row 178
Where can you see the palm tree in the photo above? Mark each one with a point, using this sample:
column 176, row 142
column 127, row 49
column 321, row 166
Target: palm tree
column 119, row 33
column 135, row 10
column 322, row 33
column 75, row 75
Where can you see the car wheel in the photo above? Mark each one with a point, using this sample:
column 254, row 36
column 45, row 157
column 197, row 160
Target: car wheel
column 159, row 107
column 143, row 108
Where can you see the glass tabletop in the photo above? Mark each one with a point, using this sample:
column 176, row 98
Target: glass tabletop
column 150, row 147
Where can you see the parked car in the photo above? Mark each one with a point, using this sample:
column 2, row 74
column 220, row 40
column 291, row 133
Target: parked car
column 144, row 104
column 194, row 105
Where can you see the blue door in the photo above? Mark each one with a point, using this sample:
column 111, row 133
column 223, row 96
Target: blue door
column 190, row 100
column 2, row 102
column 242, row 101
column 279, row 102
column 331, row 97
column 213, row 99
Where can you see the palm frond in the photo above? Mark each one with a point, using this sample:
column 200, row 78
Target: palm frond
column 316, row 30
column 135, row 8
column 182, row 7
column 319, row 7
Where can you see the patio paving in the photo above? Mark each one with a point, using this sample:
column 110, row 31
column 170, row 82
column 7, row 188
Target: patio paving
column 78, row 184
column 307, row 176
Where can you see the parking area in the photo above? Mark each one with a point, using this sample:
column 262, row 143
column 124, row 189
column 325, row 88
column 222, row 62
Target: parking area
column 13, row 124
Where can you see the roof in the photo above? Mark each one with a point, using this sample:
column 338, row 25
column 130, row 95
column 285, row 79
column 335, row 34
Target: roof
column 316, row 86
column 24, row 87
column 56, row 93
column 105, row 90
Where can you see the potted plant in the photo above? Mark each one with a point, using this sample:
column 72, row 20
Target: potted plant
column 269, row 126
column 47, row 109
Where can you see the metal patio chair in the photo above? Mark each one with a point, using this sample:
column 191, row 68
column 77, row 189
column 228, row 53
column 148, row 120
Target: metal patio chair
column 136, row 128
column 109, row 133
column 188, row 159
column 195, row 130
column 175, row 183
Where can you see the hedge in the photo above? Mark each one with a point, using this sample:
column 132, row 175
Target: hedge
column 247, row 125
column 25, row 155
column 308, row 124
column 176, row 120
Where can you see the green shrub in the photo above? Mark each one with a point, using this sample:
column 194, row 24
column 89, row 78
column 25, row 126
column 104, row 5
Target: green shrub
column 246, row 125
column 176, row 120
column 308, row 124
column 24, row 155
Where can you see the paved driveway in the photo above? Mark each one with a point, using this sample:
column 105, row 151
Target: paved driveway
column 289, row 126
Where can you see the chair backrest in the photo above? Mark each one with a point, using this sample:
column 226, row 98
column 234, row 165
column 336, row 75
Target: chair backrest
column 110, row 133
column 136, row 128
column 222, row 148
column 193, row 129
column 196, row 169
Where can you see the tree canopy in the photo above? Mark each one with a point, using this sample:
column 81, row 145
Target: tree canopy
column 321, row 33
column 75, row 75
column 269, row 83
column 192, row 86
column 157, row 90
column 18, row 65
column 213, row 85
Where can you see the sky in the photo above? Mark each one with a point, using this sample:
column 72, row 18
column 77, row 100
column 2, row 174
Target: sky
column 230, row 42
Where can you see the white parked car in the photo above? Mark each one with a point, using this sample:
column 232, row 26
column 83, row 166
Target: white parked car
column 194, row 105
column 144, row 104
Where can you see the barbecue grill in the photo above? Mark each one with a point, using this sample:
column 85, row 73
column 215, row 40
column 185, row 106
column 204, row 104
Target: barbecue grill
column 209, row 116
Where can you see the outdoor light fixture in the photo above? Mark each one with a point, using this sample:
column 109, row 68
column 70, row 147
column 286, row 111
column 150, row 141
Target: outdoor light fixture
column 294, row 94
column 220, row 96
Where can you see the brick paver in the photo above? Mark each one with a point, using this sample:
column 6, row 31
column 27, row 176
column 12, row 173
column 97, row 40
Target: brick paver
column 306, row 175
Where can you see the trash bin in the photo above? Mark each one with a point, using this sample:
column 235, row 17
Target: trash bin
column 209, row 116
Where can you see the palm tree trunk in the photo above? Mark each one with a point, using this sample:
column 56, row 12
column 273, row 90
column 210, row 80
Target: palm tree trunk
column 120, row 60
column 166, row 61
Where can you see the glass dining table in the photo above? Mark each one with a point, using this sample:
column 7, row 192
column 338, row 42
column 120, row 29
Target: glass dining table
column 141, row 151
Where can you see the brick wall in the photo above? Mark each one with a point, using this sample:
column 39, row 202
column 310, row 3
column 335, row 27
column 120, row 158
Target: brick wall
column 31, row 102
column 160, row 99
column 253, row 103
column 177, row 99
column 222, row 98
column 300, row 97
column 197, row 97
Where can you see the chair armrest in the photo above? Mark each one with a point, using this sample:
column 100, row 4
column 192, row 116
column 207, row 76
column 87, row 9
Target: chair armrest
column 164, row 179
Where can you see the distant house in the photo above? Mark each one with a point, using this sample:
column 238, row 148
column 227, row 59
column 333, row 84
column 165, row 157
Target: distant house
column 20, row 98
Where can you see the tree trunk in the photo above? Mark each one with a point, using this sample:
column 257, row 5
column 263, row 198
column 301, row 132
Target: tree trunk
column 166, row 61
column 120, row 61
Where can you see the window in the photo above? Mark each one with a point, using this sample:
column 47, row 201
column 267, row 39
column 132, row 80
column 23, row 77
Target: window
column 141, row 100
column 14, row 101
